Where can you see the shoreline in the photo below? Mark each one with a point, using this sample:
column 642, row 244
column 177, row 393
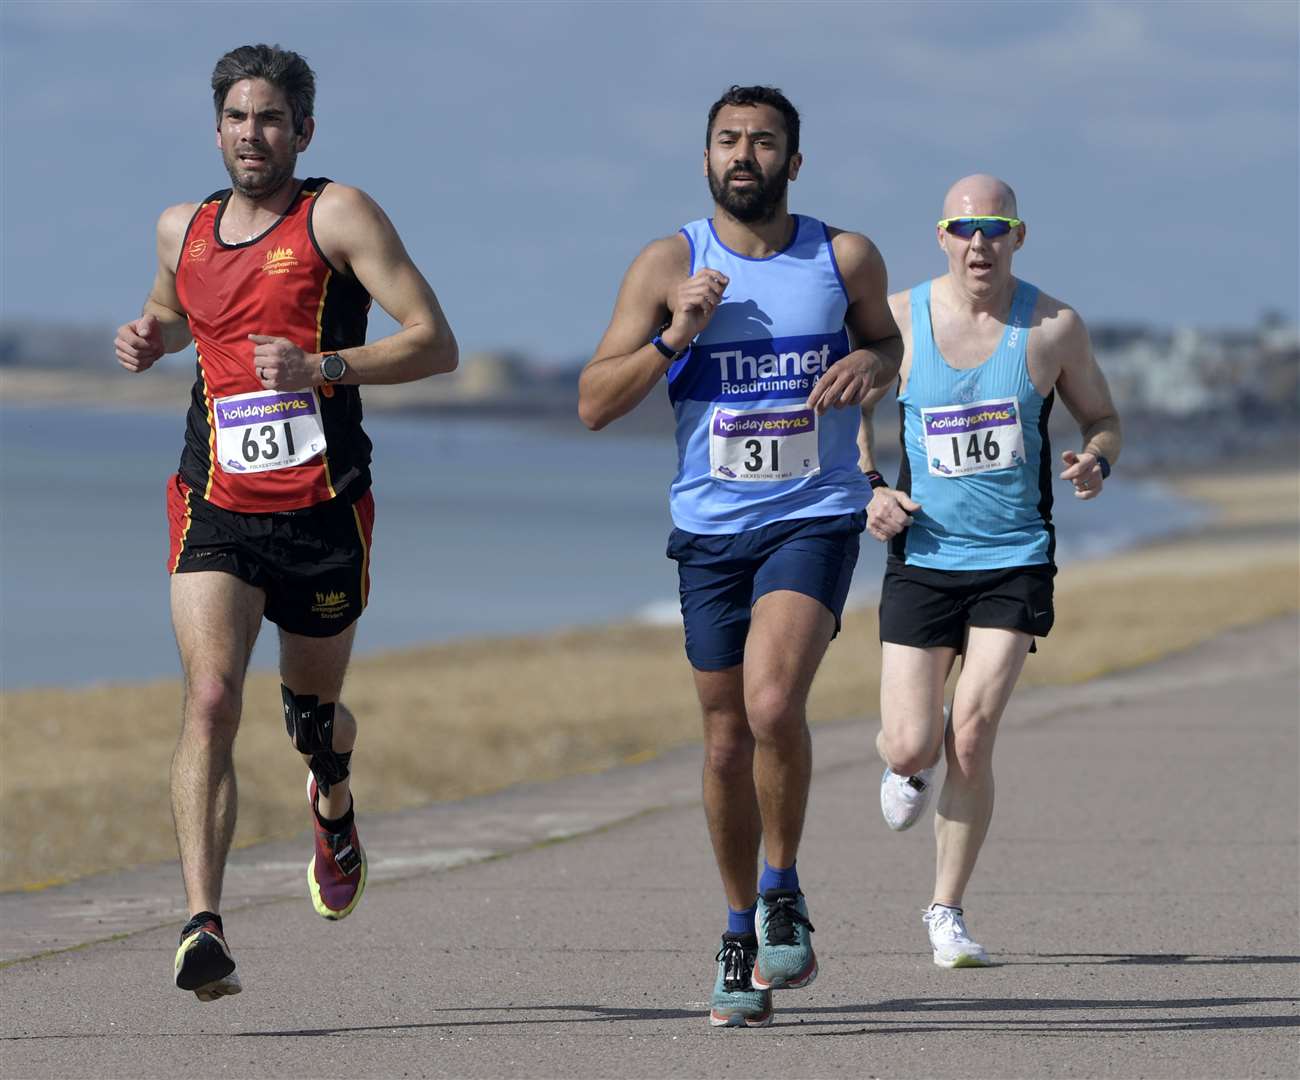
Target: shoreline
column 447, row 721
column 168, row 389
column 661, row 613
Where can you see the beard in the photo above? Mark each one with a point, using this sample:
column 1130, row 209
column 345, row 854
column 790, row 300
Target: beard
column 259, row 185
column 754, row 204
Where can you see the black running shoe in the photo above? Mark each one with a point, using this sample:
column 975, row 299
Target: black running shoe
column 203, row 961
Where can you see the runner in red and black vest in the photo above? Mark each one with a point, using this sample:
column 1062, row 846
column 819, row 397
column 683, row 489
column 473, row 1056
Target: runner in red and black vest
column 271, row 513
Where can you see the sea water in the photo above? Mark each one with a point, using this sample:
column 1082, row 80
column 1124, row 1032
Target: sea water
column 482, row 527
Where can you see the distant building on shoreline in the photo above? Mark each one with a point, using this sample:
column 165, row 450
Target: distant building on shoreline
column 1249, row 373
column 1187, row 372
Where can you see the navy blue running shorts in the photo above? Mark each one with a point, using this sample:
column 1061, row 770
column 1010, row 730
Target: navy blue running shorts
column 927, row 608
column 722, row 576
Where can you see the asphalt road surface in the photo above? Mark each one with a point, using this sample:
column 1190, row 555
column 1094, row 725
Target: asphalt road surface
column 1138, row 894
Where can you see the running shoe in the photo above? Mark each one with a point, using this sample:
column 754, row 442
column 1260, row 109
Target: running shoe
column 735, row 1001
column 203, row 961
column 336, row 874
column 785, row 959
column 951, row 943
column 903, row 799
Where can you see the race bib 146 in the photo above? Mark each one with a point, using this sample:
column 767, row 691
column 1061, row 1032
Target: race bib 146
column 965, row 439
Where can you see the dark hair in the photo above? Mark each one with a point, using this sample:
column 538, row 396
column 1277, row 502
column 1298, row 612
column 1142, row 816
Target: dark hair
column 759, row 95
column 281, row 68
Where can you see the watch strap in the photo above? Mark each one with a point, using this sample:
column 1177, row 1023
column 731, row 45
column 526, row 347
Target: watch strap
column 666, row 350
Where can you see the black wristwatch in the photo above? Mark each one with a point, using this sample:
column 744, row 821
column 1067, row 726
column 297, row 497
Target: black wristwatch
column 332, row 367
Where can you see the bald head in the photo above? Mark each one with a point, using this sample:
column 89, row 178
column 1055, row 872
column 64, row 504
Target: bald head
column 980, row 194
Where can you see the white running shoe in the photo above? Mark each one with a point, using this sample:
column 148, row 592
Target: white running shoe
column 952, row 946
column 903, row 799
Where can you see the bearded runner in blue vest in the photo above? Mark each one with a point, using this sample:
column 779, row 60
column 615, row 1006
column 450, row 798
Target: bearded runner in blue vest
column 969, row 524
column 767, row 327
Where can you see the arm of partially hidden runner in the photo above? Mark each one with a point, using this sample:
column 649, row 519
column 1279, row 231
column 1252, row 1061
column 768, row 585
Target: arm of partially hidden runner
column 356, row 236
column 877, row 346
column 162, row 326
column 657, row 288
column 890, row 510
column 1068, row 349
column 867, row 431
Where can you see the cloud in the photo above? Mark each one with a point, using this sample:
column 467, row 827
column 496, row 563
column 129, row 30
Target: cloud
column 571, row 133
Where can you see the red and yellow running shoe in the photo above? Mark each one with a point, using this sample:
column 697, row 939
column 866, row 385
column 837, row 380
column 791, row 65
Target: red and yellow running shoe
column 336, row 875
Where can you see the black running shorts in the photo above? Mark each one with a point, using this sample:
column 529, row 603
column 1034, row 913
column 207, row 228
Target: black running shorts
column 313, row 564
column 927, row 608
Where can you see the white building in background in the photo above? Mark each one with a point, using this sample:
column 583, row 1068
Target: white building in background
column 1193, row 371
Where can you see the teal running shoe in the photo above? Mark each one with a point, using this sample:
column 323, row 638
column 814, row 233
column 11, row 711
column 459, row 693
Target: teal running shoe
column 735, row 1001
column 785, row 958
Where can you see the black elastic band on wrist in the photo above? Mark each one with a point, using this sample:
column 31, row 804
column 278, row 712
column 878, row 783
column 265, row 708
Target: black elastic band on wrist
column 666, row 350
column 875, row 479
column 1104, row 465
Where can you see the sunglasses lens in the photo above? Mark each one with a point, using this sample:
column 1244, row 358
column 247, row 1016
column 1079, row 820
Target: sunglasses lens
column 967, row 227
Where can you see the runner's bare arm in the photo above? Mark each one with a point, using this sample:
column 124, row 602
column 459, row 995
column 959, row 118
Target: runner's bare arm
column 357, row 237
column 162, row 326
column 890, row 510
column 877, row 346
column 657, row 287
column 901, row 312
column 1084, row 391
column 866, row 429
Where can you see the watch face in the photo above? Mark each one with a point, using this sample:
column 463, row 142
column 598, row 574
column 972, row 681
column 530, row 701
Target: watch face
column 332, row 366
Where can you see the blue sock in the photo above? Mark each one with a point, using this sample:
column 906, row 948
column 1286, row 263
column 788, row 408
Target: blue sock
column 787, row 879
column 741, row 922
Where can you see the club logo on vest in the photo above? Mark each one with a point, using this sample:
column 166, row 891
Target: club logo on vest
column 197, row 248
column 741, row 373
column 279, row 261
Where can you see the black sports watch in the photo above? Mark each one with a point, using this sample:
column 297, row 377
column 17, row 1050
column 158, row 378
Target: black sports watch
column 333, row 367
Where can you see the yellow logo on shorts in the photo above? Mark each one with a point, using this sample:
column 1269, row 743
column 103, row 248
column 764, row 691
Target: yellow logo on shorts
column 331, row 605
column 279, row 261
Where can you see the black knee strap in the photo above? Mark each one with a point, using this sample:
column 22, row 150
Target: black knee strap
column 311, row 727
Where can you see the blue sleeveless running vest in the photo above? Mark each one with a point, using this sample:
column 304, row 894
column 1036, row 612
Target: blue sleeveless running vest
column 975, row 452
column 749, row 452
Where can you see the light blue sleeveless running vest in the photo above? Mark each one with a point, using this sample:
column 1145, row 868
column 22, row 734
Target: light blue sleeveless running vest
column 748, row 452
column 975, row 452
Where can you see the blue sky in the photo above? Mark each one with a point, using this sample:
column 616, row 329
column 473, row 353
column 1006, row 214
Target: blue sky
column 527, row 151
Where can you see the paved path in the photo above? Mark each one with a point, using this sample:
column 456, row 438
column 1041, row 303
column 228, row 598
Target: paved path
column 1138, row 890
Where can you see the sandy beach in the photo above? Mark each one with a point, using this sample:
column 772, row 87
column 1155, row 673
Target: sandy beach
column 85, row 773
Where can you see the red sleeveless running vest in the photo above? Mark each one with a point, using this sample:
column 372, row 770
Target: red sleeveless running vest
column 277, row 284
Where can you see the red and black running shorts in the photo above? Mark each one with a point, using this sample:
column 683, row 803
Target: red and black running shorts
column 313, row 564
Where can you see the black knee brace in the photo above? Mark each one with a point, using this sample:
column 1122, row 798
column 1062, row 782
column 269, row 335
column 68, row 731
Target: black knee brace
column 311, row 727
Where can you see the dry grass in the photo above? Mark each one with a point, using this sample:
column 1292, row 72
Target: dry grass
column 85, row 771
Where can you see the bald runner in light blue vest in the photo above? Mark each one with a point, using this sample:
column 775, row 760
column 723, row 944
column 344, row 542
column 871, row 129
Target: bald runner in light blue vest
column 767, row 330
column 969, row 523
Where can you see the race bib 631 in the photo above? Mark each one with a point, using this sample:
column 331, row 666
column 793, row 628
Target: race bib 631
column 267, row 429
